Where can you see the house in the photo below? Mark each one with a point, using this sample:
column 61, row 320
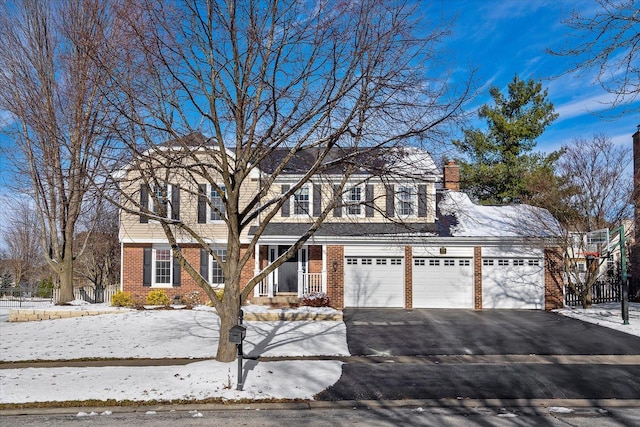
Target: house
column 399, row 234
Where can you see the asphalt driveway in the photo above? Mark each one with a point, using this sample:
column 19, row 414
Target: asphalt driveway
column 492, row 354
column 423, row 332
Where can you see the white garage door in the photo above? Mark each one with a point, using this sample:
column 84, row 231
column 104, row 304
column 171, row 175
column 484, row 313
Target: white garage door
column 442, row 282
column 513, row 283
column 373, row 280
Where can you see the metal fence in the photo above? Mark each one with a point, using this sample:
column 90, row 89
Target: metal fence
column 606, row 290
column 17, row 297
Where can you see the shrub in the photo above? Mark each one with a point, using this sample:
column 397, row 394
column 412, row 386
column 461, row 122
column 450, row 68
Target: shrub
column 45, row 288
column 191, row 299
column 122, row 299
column 315, row 299
column 157, row 297
column 219, row 293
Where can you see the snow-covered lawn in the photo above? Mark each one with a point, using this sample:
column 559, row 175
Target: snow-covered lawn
column 185, row 334
column 166, row 334
column 608, row 315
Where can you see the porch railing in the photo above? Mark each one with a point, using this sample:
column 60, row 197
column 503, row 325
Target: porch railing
column 312, row 282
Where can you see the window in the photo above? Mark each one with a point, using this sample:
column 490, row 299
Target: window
column 534, row 262
column 582, row 268
column 301, row 201
column 366, row 261
column 217, row 276
column 418, row 262
column 449, row 262
column 396, row 261
column 487, row 262
column 434, row 262
column 464, row 263
column 405, row 200
column 381, row 261
column 162, row 266
column 503, row 262
column 217, row 203
column 353, row 199
column 518, row 262
column 158, row 200
column 352, row 261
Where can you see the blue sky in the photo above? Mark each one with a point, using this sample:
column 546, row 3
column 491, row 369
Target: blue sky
column 507, row 37
column 502, row 38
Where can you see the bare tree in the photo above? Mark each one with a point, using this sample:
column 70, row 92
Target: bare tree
column 99, row 263
column 591, row 191
column 22, row 239
column 269, row 83
column 608, row 41
column 54, row 94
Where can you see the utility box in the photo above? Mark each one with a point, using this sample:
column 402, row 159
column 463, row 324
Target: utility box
column 237, row 334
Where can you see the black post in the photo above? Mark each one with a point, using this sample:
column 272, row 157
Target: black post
column 240, row 355
column 625, row 301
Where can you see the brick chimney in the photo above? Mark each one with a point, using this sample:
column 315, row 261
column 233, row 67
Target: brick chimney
column 451, row 176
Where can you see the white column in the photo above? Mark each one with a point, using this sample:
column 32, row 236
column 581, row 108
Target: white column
column 270, row 279
column 300, row 274
column 256, row 268
column 324, row 268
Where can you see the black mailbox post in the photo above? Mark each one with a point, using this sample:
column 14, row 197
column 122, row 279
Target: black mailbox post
column 236, row 335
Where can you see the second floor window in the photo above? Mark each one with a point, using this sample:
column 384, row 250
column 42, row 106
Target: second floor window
column 406, row 201
column 353, row 200
column 217, row 205
column 301, row 201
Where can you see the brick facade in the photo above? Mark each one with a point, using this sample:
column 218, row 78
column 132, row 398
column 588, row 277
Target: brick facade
column 477, row 278
column 315, row 259
column 553, row 279
column 408, row 277
column 335, row 275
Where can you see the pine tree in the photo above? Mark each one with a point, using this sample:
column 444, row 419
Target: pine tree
column 498, row 161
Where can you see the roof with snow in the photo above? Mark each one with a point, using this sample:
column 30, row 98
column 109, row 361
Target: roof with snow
column 467, row 219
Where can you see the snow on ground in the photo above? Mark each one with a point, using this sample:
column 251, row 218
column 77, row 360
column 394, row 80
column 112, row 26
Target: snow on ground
column 159, row 334
column 184, row 334
column 608, row 315
column 166, row 334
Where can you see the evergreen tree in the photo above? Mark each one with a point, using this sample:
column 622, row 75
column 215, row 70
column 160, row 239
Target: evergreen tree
column 498, row 161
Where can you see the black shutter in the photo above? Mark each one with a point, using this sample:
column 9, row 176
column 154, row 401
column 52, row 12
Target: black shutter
column 176, row 271
column 144, row 203
column 391, row 200
column 202, row 203
column 146, row 267
column 422, row 200
column 337, row 199
column 317, row 200
column 368, row 197
column 285, row 208
column 204, row 264
column 175, row 202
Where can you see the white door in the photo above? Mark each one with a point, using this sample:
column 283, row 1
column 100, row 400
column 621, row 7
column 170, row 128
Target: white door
column 509, row 282
column 440, row 282
column 373, row 278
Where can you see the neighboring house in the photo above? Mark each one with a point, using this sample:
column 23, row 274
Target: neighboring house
column 401, row 236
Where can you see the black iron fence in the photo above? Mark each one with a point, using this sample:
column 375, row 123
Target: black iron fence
column 606, row 290
column 17, row 297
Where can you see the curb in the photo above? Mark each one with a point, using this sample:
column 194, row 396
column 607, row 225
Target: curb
column 450, row 403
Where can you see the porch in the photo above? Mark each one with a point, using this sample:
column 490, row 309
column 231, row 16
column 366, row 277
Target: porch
column 305, row 272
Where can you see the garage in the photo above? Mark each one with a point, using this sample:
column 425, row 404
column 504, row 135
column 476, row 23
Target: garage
column 442, row 282
column 374, row 277
column 510, row 281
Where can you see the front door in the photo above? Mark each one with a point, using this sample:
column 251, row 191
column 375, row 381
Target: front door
column 288, row 272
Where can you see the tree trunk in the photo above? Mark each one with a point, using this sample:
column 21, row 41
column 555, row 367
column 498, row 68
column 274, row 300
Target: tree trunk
column 66, row 279
column 228, row 311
